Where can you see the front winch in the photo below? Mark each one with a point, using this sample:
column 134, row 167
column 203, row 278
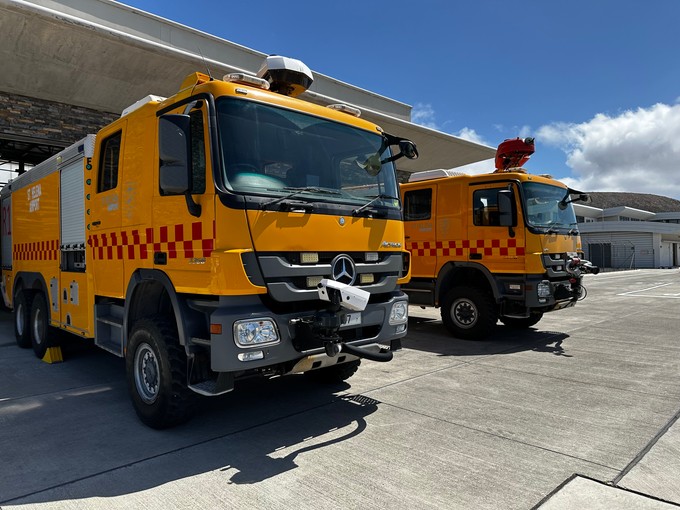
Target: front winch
column 324, row 326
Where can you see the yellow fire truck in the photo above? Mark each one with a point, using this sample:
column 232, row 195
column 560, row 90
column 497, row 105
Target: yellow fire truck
column 494, row 246
column 228, row 231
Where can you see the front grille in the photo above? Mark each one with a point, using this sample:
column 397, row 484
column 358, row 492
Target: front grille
column 349, row 335
column 287, row 280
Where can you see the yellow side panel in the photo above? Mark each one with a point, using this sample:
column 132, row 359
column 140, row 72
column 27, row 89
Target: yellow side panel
column 36, row 230
column 76, row 305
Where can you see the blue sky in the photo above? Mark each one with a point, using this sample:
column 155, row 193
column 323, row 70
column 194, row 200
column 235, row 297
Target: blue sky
column 596, row 82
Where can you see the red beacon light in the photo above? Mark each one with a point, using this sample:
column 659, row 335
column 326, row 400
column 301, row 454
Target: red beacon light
column 512, row 154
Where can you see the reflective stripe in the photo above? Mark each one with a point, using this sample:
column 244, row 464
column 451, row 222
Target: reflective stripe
column 187, row 241
column 488, row 247
column 38, row 250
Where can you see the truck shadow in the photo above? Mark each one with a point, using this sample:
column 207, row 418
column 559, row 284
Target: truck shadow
column 96, row 447
column 429, row 335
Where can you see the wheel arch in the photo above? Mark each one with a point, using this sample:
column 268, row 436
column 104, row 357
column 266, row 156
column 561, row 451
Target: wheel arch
column 27, row 280
column 150, row 292
column 454, row 274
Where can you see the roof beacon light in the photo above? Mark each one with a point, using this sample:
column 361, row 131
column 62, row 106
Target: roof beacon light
column 341, row 107
column 246, row 79
column 286, row 76
column 512, row 154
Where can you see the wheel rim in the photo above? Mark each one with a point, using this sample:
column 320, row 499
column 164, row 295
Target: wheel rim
column 20, row 319
column 147, row 373
column 37, row 327
column 464, row 313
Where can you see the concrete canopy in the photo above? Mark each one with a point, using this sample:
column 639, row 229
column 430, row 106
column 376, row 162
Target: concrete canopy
column 105, row 55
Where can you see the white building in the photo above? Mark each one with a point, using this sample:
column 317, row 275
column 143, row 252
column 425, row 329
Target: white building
column 629, row 236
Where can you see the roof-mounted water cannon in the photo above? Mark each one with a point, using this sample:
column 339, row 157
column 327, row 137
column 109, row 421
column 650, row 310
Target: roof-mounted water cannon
column 286, row 76
column 512, row 154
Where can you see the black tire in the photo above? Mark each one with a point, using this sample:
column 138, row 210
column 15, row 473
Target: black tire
column 156, row 368
column 336, row 373
column 22, row 318
column 522, row 322
column 469, row 313
column 40, row 326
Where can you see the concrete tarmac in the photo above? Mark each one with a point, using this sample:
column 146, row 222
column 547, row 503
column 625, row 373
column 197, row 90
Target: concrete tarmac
column 579, row 411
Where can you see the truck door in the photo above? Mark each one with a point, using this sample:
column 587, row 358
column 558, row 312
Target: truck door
column 419, row 228
column 183, row 243
column 499, row 248
column 104, row 234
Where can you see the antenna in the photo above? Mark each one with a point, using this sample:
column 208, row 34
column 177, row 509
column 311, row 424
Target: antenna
column 205, row 63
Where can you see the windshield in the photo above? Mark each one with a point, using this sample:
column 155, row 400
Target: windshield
column 543, row 209
column 274, row 152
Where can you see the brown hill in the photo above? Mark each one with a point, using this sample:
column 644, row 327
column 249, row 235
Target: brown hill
column 644, row 201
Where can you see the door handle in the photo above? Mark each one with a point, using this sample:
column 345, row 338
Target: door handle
column 96, row 223
column 475, row 256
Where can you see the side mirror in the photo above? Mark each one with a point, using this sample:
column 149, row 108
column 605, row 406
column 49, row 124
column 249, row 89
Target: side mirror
column 582, row 197
column 507, row 215
column 174, row 149
column 408, row 149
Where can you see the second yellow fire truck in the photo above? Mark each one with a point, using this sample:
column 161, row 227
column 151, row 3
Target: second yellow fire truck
column 230, row 230
column 503, row 245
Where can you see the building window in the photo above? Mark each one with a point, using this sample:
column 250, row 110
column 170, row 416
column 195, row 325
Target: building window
column 108, row 163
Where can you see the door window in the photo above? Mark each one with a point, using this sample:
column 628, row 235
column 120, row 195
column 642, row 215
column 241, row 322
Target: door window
column 108, row 163
column 418, row 205
column 485, row 208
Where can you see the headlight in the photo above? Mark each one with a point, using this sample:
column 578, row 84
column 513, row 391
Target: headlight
column 399, row 313
column 248, row 333
column 543, row 289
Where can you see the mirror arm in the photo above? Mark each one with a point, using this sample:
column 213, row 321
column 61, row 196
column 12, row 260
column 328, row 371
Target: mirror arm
column 391, row 158
column 194, row 207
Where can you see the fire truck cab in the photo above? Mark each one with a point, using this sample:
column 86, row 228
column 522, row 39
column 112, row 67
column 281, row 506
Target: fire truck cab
column 503, row 245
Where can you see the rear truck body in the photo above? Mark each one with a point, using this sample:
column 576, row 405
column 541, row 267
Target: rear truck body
column 225, row 232
column 503, row 245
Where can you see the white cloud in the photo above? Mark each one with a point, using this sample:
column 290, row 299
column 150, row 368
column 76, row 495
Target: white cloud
column 636, row 151
column 524, row 131
column 470, row 135
column 423, row 114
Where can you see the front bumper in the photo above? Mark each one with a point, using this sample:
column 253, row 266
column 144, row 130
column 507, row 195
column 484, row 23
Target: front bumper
column 520, row 295
column 294, row 345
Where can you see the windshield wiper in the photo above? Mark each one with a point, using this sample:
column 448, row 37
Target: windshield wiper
column 356, row 211
column 296, row 191
column 556, row 228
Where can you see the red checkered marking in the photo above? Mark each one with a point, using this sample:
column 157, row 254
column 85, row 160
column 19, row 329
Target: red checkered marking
column 488, row 247
column 38, row 250
column 192, row 240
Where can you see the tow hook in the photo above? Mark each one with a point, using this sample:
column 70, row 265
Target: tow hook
column 335, row 348
column 324, row 326
column 382, row 355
